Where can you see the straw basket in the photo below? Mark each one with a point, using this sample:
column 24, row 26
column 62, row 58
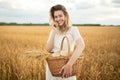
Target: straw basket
column 56, row 63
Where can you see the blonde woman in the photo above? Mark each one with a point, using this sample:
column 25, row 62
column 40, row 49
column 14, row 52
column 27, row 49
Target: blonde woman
column 61, row 27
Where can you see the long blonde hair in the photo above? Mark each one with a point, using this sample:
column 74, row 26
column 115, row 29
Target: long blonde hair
column 67, row 24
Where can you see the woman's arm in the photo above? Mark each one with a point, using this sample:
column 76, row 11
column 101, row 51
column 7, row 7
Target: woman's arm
column 80, row 45
column 78, row 50
column 50, row 42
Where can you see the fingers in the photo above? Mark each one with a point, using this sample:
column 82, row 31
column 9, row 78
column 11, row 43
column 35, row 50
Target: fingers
column 66, row 75
column 61, row 70
column 55, row 27
column 55, row 24
column 70, row 72
column 63, row 75
column 66, row 71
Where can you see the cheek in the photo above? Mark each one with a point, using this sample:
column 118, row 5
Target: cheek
column 64, row 18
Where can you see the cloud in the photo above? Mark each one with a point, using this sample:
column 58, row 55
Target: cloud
column 81, row 11
column 19, row 11
column 111, row 3
column 116, row 1
column 82, row 4
column 27, row 5
column 97, row 14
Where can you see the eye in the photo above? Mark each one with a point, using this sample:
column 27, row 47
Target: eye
column 55, row 16
column 60, row 15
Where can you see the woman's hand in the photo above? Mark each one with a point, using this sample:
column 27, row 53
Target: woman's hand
column 55, row 27
column 66, row 70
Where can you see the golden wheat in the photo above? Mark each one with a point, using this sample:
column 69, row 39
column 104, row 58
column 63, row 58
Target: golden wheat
column 102, row 53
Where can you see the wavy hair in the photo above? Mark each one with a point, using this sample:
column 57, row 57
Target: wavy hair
column 67, row 19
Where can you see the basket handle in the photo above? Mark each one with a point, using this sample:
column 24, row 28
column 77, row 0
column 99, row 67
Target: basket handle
column 67, row 43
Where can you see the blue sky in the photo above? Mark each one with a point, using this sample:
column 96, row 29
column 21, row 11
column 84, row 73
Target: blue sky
column 105, row 12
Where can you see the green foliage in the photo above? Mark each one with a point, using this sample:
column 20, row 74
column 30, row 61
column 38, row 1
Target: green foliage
column 46, row 24
column 23, row 24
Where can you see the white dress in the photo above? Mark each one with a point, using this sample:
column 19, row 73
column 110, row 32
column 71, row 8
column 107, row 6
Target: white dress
column 72, row 34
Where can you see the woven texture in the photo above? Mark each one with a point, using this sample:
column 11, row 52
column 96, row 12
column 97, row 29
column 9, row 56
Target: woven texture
column 57, row 62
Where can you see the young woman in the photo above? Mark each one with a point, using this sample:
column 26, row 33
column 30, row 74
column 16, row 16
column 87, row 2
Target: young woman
column 61, row 27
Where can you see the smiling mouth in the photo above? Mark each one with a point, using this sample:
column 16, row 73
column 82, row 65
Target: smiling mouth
column 59, row 22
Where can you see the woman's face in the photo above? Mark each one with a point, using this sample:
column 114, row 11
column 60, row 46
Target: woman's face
column 59, row 17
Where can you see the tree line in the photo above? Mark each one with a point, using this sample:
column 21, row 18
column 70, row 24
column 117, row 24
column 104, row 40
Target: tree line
column 46, row 24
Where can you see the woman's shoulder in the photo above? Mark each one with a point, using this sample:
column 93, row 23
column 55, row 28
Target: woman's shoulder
column 73, row 28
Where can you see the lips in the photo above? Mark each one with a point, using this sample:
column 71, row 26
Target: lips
column 60, row 22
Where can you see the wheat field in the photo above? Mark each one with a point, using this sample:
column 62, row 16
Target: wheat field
column 102, row 52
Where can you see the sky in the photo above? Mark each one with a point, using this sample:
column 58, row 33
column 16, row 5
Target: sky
column 105, row 12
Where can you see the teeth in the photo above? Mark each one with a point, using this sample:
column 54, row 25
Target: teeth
column 59, row 21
